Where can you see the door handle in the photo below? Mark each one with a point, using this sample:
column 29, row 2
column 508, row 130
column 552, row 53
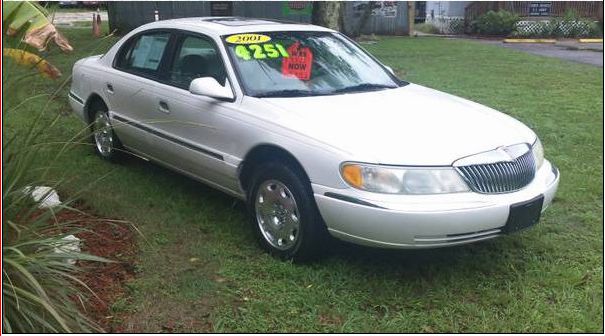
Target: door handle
column 109, row 88
column 164, row 107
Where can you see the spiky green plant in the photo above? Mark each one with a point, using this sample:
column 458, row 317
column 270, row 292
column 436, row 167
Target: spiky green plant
column 41, row 292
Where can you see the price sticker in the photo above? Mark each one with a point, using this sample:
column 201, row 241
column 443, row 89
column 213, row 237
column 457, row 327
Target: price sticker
column 260, row 51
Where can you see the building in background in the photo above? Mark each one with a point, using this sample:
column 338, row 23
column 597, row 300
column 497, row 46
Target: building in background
column 533, row 13
column 456, row 17
column 420, row 11
column 386, row 17
column 448, row 16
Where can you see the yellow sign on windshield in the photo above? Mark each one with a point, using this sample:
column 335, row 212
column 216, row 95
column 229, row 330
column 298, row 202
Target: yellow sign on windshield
column 247, row 38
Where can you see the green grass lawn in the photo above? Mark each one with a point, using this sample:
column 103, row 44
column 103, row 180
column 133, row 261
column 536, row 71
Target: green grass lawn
column 200, row 269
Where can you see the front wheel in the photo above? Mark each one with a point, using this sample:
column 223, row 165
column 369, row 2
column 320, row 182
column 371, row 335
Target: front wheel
column 284, row 215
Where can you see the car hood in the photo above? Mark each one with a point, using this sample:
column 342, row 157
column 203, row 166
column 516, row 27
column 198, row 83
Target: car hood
column 411, row 125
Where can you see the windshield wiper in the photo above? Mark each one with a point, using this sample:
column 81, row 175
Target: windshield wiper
column 304, row 93
column 364, row 87
column 286, row 93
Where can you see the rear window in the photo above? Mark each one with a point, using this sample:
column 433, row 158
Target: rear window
column 145, row 53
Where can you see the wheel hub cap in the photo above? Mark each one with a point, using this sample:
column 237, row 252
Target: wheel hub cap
column 277, row 214
column 103, row 134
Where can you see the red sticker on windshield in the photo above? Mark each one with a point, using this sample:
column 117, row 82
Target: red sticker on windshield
column 298, row 64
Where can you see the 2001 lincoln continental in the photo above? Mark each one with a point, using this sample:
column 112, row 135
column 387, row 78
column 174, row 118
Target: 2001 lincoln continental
column 314, row 133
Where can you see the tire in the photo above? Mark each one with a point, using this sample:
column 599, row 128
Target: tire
column 284, row 215
column 105, row 141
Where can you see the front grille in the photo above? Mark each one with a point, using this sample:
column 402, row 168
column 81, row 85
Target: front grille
column 500, row 177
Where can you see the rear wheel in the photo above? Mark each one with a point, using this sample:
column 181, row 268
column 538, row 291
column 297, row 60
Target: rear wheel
column 105, row 141
column 283, row 213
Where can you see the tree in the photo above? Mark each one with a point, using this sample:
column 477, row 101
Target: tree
column 328, row 14
column 28, row 29
column 363, row 20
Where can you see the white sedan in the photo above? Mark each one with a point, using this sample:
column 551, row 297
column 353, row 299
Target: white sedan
column 315, row 134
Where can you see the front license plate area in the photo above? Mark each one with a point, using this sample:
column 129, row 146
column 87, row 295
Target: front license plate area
column 523, row 215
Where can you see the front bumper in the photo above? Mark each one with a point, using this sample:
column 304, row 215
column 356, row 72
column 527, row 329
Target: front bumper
column 414, row 221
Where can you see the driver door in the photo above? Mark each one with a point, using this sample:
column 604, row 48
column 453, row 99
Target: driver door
column 189, row 128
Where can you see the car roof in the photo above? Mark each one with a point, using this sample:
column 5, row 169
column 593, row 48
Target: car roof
column 232, row 25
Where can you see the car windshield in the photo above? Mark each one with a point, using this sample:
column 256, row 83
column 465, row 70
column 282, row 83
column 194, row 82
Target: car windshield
column 294, row 64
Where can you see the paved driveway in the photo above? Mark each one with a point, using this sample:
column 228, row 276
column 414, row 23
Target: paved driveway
column 68, row 18
column 589, row 53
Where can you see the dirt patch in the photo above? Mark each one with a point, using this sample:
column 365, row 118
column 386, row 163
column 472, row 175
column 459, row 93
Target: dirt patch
column 330, row 320
column 112, row 240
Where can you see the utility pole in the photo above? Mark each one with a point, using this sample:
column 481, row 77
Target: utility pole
column 411, row 17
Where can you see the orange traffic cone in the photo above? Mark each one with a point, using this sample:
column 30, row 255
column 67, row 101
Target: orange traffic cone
column 96, row 25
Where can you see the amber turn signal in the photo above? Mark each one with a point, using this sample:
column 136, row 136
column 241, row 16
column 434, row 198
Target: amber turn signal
column 352, row 174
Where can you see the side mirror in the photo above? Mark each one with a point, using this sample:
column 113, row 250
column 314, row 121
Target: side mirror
column 390, row 69
column 208, row 86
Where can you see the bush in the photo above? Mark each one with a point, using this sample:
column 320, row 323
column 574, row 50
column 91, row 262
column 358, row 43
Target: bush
column 457, row 26
column 427, row 28
column 558, row 28
column 570, row 25
column 500, row 23
column 588, row 28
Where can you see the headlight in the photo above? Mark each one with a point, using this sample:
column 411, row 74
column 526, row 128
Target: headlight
column 403, row 180
column 538, row 152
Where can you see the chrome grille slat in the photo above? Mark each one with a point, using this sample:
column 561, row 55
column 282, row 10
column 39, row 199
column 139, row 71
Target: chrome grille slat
column 492, row 186
column 500, row 177
column 476, row 175
column 512, row 172
column 525, row 165
column 482, row 172
column 493, row 177
column 501, row 168
column 510, row 175
column 516, row 170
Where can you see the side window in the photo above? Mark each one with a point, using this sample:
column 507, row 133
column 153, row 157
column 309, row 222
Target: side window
column 144, row 54
column 196, row 57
